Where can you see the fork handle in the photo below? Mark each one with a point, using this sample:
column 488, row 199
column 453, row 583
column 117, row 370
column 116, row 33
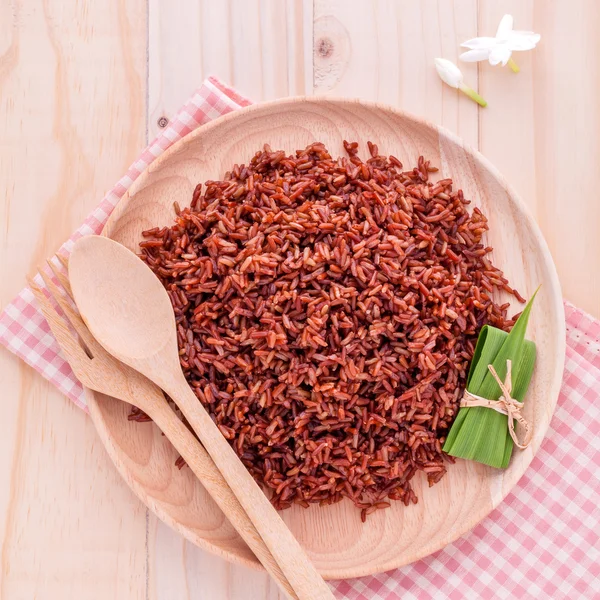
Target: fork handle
column 206, row 471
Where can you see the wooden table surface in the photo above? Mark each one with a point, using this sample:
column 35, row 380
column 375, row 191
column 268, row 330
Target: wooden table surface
column 83, row 86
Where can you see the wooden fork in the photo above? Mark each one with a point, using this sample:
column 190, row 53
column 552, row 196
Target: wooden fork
column 100, row 371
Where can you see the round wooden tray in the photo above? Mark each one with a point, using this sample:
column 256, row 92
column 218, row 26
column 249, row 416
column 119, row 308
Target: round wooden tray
column 334, row 537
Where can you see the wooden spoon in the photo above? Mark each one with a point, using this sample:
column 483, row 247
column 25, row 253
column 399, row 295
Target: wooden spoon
column 129, row 312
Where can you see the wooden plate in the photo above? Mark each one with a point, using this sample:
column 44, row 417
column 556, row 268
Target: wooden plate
column 337, row 541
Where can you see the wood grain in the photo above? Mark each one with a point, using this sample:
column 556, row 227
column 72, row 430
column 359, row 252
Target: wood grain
column 69, row 527
column 263, row 47
column 540, row 127
column 66, row 137
column 383, row 51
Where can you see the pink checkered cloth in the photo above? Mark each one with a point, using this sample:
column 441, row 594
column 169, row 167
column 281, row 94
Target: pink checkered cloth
column 542, row 542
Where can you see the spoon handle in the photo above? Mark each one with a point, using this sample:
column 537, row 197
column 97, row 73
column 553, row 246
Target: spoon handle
column 205, row 470
column 297, row 567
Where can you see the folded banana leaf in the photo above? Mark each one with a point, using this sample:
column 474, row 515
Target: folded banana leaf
column 478, row 433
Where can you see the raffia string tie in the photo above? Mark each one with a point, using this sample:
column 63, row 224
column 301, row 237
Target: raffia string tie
column 505, row 405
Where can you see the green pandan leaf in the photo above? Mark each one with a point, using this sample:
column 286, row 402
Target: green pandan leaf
column 479, row 433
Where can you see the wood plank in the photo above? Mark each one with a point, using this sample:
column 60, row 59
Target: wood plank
column 72, row 106
column 542, row 129
column 262, row 47
column 383, row 51
column 182, row 570
column 71, row 528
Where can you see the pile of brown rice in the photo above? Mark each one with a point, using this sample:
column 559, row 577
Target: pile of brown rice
column 327, row 313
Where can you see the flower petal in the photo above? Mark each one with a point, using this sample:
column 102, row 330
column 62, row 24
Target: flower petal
column 480, row 42
column 520, row 32
column 448, row 72
column 523, row 40
column 500, row 54
column 504, row 28
column 475, row 55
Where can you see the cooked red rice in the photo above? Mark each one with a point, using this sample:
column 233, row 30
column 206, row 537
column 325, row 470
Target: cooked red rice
column 327, row 311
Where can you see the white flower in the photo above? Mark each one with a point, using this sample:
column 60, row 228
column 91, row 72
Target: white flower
column 448, row 72
column 500, row 48
column 451, row 75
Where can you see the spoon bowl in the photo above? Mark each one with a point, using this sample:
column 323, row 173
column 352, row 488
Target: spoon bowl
column 143, row 313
